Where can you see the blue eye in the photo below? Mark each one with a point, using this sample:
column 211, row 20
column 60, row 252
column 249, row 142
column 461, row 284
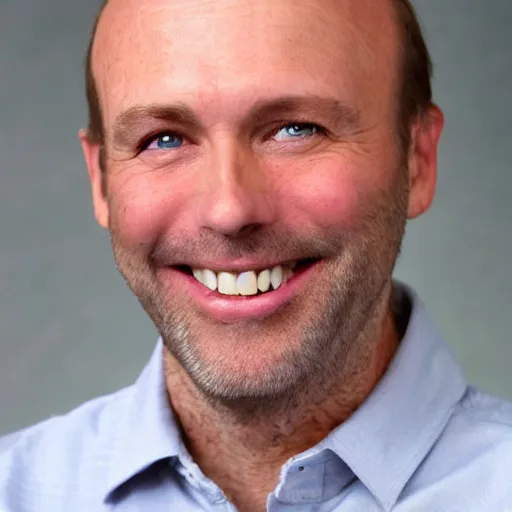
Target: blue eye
column 296, row 131
column 165, row 141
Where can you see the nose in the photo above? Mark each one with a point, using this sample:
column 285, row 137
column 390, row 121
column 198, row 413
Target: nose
column 237, row 199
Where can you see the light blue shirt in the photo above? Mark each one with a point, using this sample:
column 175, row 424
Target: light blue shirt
column 422, row 441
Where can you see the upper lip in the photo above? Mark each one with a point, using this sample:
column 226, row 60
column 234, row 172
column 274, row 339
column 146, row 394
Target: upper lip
column 236, row 265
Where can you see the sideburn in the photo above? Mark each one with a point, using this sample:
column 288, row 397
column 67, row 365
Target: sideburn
column 102, row 162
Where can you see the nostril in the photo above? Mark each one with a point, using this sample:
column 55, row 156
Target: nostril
column 248, row 229
column 244, row 232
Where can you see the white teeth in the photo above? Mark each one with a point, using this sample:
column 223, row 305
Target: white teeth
column 209, row 279
column 226, row 283
column 264, row 281
column 247, row 283
column 199, row 275
column 276, row 277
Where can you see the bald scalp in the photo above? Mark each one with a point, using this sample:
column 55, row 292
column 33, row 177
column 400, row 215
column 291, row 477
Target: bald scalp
column 414, row 91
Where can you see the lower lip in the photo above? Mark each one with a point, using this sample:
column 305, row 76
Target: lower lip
column 229, row 309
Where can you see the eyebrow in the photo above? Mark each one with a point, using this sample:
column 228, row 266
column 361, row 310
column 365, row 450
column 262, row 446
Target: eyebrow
column 345, row 117
column 139, row 117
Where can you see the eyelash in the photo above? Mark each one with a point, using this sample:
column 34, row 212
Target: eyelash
column 147, row 141
column 319, row 130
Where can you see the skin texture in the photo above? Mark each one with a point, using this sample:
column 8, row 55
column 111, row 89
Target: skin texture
column 256, row 392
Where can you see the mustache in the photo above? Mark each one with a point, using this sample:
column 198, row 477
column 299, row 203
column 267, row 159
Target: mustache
column 265, row 244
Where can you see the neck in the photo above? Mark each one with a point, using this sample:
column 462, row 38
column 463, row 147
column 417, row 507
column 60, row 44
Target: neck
column 231, row 451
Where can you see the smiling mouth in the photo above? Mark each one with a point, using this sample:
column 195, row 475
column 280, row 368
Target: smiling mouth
column 247, row 283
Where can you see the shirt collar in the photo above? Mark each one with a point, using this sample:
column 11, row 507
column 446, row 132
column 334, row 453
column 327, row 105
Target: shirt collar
column 386, row 439
column 143, row 427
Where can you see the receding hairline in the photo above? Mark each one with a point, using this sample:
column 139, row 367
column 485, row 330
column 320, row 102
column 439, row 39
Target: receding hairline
column 90, row 53
column 400, row 20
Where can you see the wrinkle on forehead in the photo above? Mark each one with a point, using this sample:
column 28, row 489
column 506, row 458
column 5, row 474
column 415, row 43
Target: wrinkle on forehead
column 163, row 38
column 124, row 19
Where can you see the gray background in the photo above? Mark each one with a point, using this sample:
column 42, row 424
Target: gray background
column 70, row 329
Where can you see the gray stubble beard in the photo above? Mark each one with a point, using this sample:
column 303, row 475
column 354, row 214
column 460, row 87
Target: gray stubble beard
column 345, row 324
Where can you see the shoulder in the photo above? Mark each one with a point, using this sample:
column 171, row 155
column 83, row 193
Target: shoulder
column 487, row 410
column 480, row 433
column 480, row 425
column 64, row 454
column 469, row 465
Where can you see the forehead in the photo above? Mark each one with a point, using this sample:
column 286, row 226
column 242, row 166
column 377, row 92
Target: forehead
column 218, row 53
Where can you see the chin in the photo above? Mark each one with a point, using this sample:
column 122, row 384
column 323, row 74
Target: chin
column 228, row 366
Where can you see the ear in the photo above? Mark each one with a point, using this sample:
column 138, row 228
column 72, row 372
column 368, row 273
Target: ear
column 425, row 134
column 92, row 155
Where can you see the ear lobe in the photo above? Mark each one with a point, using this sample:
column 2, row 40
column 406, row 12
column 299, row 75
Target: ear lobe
column 425, row 135
column 92, row 155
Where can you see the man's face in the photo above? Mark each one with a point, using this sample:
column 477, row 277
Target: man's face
column 241, row 136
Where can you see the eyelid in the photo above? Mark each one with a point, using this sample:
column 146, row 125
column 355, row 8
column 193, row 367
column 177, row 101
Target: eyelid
column 300, row 123
column 280, row 126
column 148, row 139
column 277, row 126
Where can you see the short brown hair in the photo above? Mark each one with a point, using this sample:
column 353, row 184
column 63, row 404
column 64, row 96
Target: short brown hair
column 95, row 129
column 414, row 91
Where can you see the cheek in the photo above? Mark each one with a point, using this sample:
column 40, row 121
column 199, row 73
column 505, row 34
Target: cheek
column 328, row 194
column 141, row 209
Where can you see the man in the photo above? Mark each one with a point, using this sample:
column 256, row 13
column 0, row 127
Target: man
column 255, row 162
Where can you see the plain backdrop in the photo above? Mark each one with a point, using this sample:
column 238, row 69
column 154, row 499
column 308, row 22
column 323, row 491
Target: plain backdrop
column 69, row 327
